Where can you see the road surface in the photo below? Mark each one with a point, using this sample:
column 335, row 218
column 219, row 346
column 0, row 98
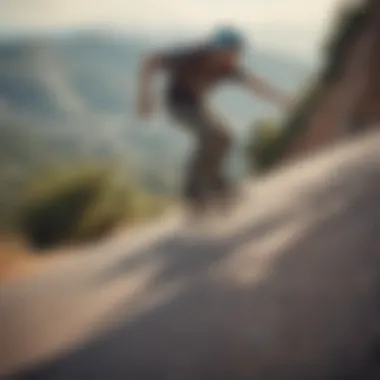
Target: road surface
column 287, row 287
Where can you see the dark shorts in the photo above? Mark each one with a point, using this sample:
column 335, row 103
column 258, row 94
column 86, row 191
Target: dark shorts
column 201, row 121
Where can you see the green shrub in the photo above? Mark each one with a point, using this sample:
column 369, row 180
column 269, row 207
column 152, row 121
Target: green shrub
column 260, row 151
column 77, row 205
column 270, row 137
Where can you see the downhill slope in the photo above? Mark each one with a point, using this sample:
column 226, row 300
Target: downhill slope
column 286, row 288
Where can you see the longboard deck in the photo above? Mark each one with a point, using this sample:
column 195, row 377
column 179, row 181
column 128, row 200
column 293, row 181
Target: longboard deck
column 216, row 209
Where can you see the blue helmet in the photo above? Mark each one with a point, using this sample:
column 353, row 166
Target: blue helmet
column 227, row 38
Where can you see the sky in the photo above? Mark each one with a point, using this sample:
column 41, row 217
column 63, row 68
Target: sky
column 296, row 26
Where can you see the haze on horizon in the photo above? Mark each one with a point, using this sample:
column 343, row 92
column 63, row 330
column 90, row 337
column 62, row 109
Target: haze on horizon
column 294, row 26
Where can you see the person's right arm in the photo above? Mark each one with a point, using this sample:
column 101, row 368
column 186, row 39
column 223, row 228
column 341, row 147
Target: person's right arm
column 262, row 87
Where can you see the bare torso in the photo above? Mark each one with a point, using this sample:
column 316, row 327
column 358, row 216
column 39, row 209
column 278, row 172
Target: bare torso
column 192, row 74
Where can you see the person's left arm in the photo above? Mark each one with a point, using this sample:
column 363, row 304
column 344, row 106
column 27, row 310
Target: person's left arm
column 262, row 88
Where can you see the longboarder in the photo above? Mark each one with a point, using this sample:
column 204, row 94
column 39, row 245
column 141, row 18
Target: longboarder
column 193, row 71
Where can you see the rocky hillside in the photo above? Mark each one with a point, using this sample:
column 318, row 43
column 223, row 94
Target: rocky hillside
column 345, row 97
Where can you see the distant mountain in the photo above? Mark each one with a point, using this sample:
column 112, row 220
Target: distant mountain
column 76, row 92
column 91, row 71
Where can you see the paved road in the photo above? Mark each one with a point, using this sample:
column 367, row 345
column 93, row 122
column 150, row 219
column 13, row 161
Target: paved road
column 285, row 288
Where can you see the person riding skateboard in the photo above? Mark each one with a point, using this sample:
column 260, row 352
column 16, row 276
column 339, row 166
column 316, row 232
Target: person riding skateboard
column 193, row 71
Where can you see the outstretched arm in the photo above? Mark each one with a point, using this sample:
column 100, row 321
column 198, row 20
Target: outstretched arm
column 265, row 90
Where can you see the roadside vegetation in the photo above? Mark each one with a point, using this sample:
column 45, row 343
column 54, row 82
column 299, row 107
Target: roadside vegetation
column 74, row 205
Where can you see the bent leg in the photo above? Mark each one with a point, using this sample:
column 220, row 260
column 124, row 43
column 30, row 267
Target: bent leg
column 205, row 172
